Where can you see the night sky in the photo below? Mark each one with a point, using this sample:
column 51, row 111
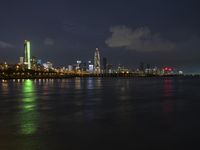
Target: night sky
column 127, row 32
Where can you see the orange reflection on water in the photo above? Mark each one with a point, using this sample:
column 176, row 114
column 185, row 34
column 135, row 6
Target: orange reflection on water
column 77, row 83
column 4, row 87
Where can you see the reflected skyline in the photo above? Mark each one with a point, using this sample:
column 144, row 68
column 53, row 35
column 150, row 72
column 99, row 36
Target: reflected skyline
column 70, row 111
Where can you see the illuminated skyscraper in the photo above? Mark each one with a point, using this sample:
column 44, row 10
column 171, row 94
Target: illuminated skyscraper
column 90, row 67
column 27, row 54
column 21, row 60
column 97, row 62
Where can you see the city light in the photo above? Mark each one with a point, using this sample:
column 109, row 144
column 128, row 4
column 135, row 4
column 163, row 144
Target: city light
column 32, row 67
column 27, row 49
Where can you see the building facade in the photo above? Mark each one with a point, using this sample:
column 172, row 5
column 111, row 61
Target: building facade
column 27, row 54
column 104, row 65
column 97, row 66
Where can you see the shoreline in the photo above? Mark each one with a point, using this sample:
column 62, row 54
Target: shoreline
column 10, row 77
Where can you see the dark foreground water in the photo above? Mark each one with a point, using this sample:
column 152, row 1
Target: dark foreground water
column 100, row 113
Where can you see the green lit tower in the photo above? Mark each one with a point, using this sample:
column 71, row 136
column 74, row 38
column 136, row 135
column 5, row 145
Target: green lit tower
column 27, row 54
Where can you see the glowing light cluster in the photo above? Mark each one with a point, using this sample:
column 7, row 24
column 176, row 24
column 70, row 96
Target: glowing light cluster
column 168, row 69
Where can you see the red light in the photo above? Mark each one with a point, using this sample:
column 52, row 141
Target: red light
column 167, row 69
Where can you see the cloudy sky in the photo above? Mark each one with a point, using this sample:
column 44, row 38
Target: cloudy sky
column 158, row 32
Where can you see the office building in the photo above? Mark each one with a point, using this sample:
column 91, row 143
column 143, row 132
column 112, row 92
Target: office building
column 27, row 54
column 21, row 60
column 97, row 68
column 104, row 65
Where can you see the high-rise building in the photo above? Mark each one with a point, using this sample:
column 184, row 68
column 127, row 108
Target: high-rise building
column 104, row 65
column 27, row 54
column 21, row 60
column 97, row 69
column 90, row 67
column 78, row 63
column 70, row 67
column 34, row 63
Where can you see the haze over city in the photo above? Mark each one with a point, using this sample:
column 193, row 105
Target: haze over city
column 126, row 32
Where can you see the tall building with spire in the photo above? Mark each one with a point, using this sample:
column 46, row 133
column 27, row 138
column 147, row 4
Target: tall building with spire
column 27, row 54
column 97, row 68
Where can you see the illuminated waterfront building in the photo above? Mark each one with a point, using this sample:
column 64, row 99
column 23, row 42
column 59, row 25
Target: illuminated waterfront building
column 48, row 65
column 21, row 60
column 78, row 62
column 27, row 54
column 34, row 64
column 90, row 67
column 97, row 69
column 70, row 67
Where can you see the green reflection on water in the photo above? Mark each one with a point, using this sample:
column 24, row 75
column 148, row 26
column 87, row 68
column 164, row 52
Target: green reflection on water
column 28, row 115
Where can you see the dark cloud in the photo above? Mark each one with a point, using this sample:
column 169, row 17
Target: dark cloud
column 140, row 39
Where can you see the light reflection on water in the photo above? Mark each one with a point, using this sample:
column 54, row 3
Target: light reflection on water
column 4, row 87
column 28, row 115
column 77, row 83
column 168, row 103
column 89, row 110
column 90, row 84
column 168, row 87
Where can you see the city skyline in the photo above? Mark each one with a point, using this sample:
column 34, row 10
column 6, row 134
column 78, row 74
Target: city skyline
column 30, row 66
column 128, row 32
column 99, row 74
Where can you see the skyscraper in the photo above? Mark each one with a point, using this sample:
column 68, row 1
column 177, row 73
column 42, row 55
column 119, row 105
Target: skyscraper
column 90, row 67
column 21, row 60
column 97, row 69
column 104, row 65
column 27, row 54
